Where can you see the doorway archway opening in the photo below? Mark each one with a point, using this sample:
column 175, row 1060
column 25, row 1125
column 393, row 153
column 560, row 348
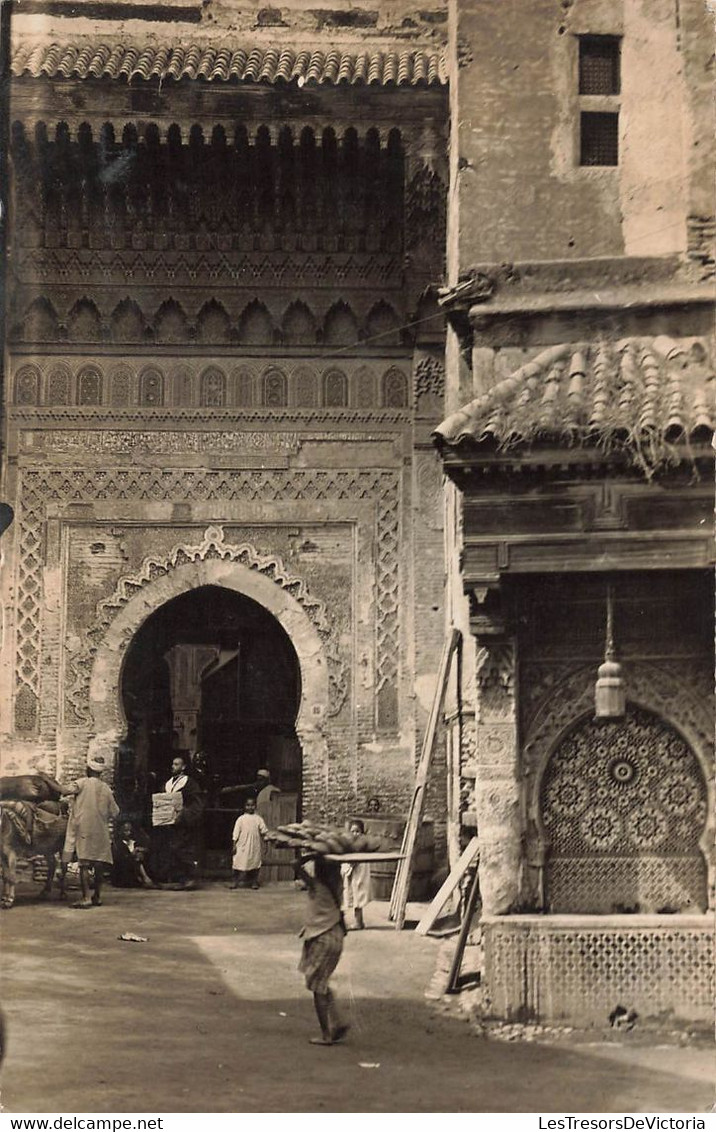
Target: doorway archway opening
column 213, row 673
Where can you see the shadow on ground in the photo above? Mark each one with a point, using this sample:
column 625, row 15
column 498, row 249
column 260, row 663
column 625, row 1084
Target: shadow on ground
column 210, row 1015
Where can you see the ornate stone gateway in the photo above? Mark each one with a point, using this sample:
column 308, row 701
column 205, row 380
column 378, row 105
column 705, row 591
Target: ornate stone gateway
column 623, row 809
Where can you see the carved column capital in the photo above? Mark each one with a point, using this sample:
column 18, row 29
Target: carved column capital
column 488, row 617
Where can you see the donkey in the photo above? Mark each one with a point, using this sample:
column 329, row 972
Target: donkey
column 30, row 830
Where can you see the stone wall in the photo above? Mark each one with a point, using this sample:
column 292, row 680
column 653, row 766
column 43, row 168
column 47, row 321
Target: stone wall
column 522, row 193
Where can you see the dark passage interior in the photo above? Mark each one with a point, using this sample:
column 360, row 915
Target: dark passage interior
column 211, row 674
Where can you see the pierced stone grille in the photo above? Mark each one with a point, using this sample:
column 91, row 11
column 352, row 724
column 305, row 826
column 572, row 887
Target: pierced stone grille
column 623, row 806
column 27, row 386
column 213, row 389
column 89, row 386
column 577, row 971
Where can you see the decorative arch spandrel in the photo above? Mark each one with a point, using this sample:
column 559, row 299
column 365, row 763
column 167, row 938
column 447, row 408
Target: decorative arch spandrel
column 187, row 566
column 215, row 562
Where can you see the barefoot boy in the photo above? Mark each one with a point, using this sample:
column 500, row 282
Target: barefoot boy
column 323, row 934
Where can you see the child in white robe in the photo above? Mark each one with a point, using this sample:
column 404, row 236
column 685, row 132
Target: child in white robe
column 356, row 882
column 249, row 831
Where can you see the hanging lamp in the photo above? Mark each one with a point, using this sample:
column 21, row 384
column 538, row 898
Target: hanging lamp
column 609, row 691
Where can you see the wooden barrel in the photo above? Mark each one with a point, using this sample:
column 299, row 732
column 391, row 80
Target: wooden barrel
column 389, row 830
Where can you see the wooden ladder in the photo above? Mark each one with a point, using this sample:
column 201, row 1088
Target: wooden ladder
column 404, row 871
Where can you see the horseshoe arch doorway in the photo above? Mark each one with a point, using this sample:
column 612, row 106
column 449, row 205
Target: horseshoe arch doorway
column 211, row 672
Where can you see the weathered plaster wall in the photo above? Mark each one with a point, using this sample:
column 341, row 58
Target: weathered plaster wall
column 522, row 192
column 219, row 19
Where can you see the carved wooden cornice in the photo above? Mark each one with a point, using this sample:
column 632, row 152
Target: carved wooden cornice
column 107, row 416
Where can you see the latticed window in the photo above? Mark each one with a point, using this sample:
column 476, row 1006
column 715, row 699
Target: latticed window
column 58, row 388
column 244, row 385
column 599, row 139
column 121, row 385
column 27, row 386
column 305, row 383
column 623, row 810
column 275, row 393
column 599, row 64
column 395, row 389
column 213, row 389
column 335, row 389
column 599, row 88
column 151, row 388
column 89, row 387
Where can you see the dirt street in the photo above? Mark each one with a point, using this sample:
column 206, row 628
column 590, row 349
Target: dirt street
column 211, row 1015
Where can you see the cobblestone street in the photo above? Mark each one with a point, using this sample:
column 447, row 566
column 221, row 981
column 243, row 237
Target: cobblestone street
column 210, row 1015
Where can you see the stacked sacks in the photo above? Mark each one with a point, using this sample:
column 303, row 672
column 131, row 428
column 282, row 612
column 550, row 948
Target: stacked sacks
column 312, row 838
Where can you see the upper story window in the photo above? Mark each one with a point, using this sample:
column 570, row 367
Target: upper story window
column 599, row 64
column 599, row 90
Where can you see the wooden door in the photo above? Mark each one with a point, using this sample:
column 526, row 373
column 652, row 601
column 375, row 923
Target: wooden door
column 278, row 863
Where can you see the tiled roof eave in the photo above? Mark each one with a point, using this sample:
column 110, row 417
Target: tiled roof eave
column 389, row 67
column 646, row 400
column 582, row 447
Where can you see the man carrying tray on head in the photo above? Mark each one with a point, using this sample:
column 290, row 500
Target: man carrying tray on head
column 323, row 933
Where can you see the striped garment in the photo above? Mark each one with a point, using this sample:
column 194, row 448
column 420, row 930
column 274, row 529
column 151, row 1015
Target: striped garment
column 320, row 956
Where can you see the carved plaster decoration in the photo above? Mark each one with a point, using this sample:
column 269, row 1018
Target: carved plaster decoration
column 212, row 546
column 497, row 786
column 429, row 380
column 83, row 416
column 370, row 272
column 425, row 199
column 681, row 698
column 495, row 678
column 163, row 442
column 430, row 492
column 240, row 319
column 79, row 487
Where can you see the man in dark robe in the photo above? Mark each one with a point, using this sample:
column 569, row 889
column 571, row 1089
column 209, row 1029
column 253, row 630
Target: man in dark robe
column 262, row 785
column 182, row 836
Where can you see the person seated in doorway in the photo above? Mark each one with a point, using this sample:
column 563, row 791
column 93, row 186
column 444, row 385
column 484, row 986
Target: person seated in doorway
column 249, row 831
column 200, row 771
column 130, row 850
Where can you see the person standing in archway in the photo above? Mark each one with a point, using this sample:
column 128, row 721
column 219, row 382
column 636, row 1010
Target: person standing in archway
column 247, row 839
column 182, row 834
column 262, row 789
